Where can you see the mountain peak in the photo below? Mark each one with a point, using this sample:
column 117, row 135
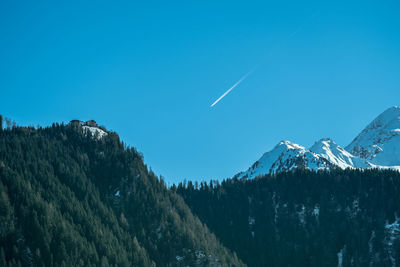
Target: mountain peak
column 335, row 154
column 379, row 142
column 323, row 143
column 377, row 146
column 285, row 156
column 288, row 145
column 326, row 141
column 388, row 118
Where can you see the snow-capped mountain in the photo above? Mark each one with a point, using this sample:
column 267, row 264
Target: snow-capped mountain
column 286, row 156
column 377, row 146
column 379, row 142
column 337, row 155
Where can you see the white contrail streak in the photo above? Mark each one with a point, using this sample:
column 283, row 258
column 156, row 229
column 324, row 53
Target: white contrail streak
column 233, row 87
column 290, row 36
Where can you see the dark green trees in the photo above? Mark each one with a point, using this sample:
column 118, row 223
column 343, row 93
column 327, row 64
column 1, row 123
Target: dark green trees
column 305, row 218
column 71, row 199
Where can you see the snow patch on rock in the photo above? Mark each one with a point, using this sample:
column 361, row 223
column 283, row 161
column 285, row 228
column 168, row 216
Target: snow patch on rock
column 94, row 131
column 379, row 142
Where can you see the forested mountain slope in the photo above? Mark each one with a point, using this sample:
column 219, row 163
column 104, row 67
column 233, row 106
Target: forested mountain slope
column 304, row 218
column 70, row 198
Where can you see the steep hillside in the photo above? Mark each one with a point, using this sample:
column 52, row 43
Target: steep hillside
column 75, row 195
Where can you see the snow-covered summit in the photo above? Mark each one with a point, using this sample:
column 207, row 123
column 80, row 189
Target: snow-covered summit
column 379, row 142
column 337, row 155
column 285, row 156
column 377, row 146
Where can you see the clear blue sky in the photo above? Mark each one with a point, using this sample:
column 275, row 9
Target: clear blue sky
column 151, row 69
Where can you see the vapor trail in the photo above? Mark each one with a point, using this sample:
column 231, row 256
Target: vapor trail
column 287, row 39
column 233, row 87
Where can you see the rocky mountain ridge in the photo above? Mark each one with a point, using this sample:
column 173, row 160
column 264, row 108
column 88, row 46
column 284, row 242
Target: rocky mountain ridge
column 377, row 146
